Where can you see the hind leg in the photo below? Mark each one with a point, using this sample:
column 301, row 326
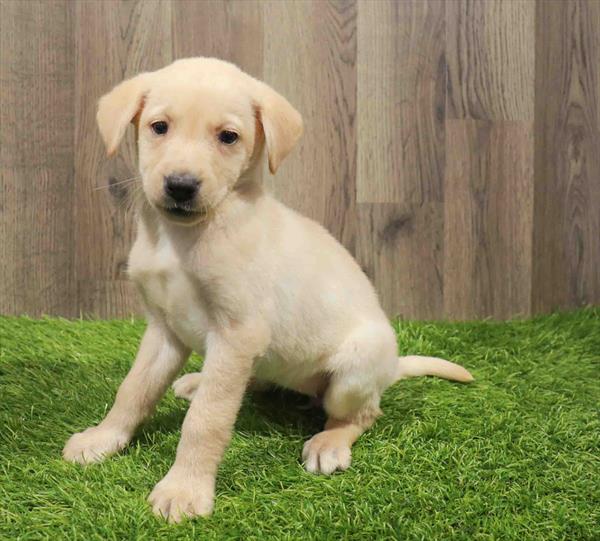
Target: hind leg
column 351, row 408
column 329, row 450
column 361, row 370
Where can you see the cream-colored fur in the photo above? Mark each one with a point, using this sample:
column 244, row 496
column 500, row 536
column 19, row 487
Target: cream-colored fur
column 266, row 295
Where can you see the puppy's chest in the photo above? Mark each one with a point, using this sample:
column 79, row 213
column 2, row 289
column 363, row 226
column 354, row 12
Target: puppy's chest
column 168, row 285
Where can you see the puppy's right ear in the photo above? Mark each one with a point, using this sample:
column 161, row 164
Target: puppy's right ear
column 118, row 108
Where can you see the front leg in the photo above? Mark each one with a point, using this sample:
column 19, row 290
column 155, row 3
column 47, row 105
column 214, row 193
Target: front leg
column 189, row 486
column 160, row 357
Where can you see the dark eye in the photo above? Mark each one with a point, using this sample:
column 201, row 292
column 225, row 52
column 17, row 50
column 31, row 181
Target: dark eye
column 228, row 137
column 160, row 127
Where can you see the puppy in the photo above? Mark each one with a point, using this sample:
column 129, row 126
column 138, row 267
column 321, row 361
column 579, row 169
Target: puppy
column 266, row 295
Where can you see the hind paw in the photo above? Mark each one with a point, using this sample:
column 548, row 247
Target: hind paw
column 186, row 386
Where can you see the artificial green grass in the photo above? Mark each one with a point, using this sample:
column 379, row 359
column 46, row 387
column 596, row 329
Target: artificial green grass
column 514, row 455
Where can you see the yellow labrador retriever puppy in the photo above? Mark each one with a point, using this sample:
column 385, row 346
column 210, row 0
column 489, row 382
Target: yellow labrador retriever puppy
column 266, row 295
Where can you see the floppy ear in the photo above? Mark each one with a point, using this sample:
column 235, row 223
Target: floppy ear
column 118, row 108
column 281, row 123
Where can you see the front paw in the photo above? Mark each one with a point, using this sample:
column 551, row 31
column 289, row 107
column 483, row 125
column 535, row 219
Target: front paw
column 182, row 494
column 94, row 445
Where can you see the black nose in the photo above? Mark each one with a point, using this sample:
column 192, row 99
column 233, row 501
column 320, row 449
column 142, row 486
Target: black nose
column 181, row 188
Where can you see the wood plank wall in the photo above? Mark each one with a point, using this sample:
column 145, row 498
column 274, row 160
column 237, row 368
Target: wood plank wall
column 452, row 146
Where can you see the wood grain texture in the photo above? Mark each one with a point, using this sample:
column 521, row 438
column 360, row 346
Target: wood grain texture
column 566, row 241
column 232, row 31
column 36, row 158
column 109, row 299
column 310, row 57
column 401, row 116
column 401, row 101
column 113, row 41
column 488, row 219
column 491, row 55
column 452, row 146
column 400, row 248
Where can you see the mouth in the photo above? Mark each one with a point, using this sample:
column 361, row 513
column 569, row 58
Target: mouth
column 182, row 213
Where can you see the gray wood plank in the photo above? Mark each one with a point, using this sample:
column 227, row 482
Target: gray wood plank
column 36, row 158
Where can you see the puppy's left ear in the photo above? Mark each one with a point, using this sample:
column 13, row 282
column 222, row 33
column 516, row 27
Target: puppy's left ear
column 118, row 108
column 281, row 123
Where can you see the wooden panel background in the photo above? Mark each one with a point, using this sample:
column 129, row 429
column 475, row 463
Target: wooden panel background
column 452, row 146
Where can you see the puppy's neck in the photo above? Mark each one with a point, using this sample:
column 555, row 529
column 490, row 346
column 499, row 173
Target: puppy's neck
column 249, row 184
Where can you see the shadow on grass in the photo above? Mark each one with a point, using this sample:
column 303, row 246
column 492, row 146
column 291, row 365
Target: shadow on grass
column 281, row 412
column 267, row 412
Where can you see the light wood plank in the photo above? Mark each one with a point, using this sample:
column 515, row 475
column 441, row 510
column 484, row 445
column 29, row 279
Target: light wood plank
column 114, row 40
column 310, row 57
column 231, row 31
column 401, row 101
column 109, row 299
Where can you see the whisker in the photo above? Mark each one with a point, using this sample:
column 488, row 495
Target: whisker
column 111, row 184
column 134, row 199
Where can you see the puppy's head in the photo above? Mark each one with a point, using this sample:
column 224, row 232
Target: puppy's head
column 202, row 123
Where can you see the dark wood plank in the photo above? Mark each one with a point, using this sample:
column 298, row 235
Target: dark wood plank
column 310, row 57
column 114, row 40
column 36, row 158
column 491, row 55
column 488, row 219
column 566, row 270
column 401, row 249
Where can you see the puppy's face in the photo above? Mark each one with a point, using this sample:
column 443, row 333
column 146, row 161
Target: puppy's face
column 195, row 141
column 201, row 124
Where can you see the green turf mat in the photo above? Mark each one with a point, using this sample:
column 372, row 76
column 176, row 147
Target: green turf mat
column 514, row 455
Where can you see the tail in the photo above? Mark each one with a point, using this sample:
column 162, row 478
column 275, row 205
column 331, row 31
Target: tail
column 415, row 365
